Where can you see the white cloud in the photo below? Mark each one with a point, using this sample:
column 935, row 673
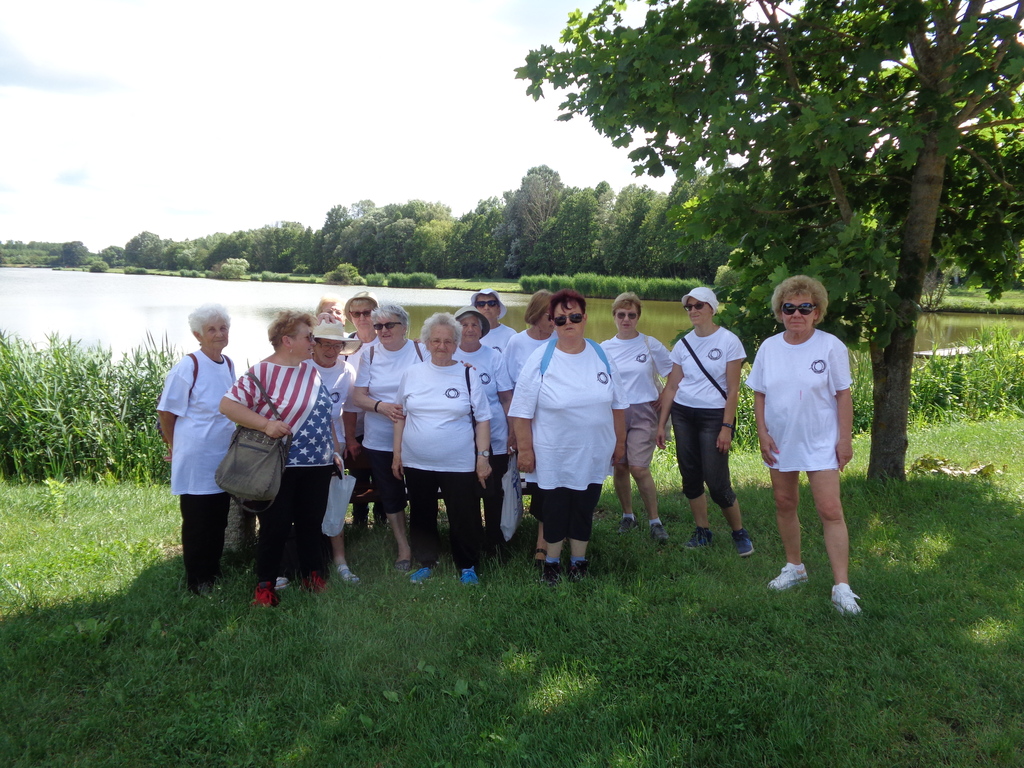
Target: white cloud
column 193, row 117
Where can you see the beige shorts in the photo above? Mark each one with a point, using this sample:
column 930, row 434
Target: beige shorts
column 641, row 431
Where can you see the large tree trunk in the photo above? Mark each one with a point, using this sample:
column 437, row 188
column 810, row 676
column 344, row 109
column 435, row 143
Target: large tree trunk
column 891, row 365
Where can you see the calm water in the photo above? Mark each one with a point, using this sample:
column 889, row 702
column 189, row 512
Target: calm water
column 119, row 311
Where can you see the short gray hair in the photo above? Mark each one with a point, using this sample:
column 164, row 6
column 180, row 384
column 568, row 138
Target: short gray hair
column 444, row 319
column 205, row 314
column 390, row 310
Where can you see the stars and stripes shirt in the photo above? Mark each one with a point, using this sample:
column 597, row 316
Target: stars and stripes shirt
column 302, row 402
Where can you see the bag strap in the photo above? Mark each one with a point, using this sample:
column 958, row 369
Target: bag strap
column 195, row 373
column 266, row 397
column 545, row 361
column 703, row 369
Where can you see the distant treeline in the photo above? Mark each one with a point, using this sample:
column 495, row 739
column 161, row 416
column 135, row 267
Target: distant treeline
column 543, row 227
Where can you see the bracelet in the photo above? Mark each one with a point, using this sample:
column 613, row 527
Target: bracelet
column 376, row 407
column 730, row 426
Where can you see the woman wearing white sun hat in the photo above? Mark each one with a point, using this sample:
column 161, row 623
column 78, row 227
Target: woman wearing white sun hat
column 493, row 308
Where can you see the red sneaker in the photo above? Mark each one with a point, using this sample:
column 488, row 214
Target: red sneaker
column 265, row 594
column 314, row 582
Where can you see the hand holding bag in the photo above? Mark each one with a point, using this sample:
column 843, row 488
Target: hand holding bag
column 337, row 502
column 251, row 469
column 512, row 503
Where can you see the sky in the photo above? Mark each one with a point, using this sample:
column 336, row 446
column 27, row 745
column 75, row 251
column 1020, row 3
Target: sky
column 192, row 117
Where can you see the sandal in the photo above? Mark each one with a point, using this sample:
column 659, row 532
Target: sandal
column 539, row 561
column 403, row 565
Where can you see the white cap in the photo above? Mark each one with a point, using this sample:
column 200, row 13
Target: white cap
column 502, row 309
column 703, row 294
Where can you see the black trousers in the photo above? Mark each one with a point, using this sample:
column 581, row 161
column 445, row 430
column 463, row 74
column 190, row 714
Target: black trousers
column 203, row 522
column 493, row 499
column 570, row 513
column 302, row 501
column 465, row 531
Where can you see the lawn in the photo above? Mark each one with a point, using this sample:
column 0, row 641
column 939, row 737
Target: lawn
column 663, row 657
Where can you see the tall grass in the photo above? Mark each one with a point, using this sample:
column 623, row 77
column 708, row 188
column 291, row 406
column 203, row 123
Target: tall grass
column 411, row 280
column 609, row 286
column 72, row 411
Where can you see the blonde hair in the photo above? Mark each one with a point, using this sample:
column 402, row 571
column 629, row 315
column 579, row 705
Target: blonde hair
column 285, row 322
column 328, row 298
column 796, row 285
column 627, row 299
column 538, row 307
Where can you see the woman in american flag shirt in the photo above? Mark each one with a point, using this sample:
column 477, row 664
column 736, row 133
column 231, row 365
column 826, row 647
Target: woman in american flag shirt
column 294, row 386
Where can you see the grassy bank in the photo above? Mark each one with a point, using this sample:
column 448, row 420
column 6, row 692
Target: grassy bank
column 665, row 657
column 976, row 300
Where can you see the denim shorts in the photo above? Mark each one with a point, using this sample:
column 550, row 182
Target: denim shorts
column 700, row 461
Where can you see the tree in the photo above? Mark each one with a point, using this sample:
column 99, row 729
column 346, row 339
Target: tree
column 113, row 255
column 526, row 211
column 73, row 254
column 848, row 139
column 144, row 250
column 569, row 241
column 474, row 248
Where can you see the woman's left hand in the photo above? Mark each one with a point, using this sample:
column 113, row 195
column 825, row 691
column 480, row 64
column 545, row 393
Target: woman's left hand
column 844, row 453
column 483, row 470
column 724, row 442
column 396, row 467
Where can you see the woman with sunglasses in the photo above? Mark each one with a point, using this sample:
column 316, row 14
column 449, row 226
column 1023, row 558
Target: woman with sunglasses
column 568, row 411
column 701, row 395
column 376, row 392
column 804, row 410
column 641, row 361
column 493, row 308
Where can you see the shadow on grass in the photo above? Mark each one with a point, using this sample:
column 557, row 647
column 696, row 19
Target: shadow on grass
column 665, row 656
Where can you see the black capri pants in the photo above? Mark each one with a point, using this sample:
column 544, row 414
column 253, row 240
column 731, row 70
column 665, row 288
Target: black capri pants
column 698, row 457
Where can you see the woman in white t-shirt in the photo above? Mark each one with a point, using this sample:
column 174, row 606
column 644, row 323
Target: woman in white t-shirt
column 376, row 392
column 493, row 308
column 701, row 395
column 443, row 442
column 568, row 411
column 641, row 361
column 804, row 410
column 521, row 346
column 197, row 437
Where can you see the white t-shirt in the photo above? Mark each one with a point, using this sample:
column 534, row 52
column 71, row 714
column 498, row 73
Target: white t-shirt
column 518, row 351
column 438, row 433
column 498, row 337
column 381, row 376
column 354, row 361
column 202, row 433
column 800, row 383
column 636, row 360
column 716, row 351
column 494, row 379
column 571, row 408
column 338, row 380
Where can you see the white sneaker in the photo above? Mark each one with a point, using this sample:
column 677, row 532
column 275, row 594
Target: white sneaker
column 346, row 575
column 844, row 600
column 790, row 576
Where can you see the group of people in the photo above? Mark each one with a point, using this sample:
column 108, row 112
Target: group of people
column 446, row 414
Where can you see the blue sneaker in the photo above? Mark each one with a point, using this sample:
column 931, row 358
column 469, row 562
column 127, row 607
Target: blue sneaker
column 469, row 576
column 744, row 546
column 421, row 575
column 701, row 538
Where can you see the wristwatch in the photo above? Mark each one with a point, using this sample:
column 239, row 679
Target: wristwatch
column 485, row 453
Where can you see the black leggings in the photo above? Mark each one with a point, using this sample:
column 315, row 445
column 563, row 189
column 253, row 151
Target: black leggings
column 465, row 531
column 302, row 500
column 203, row 521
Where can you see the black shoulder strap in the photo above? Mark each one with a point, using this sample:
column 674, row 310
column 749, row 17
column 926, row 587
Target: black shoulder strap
column 419, row 352
column 195, row 373
column 266, row 397
column 703, row 369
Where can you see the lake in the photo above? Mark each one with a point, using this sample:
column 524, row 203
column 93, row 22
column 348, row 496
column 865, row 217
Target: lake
column 122, row 311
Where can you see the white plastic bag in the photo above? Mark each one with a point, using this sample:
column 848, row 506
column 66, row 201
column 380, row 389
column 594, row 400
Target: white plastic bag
column 337, row 504
column 512, row 503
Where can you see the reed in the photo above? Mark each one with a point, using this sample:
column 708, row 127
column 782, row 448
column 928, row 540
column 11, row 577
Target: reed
column 412, row 280
column 597, row 286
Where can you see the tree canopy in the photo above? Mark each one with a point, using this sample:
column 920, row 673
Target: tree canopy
column 860, row 142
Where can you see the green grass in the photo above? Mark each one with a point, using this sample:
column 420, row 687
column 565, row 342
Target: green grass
column 664, row 657
column 500, row 284
column 976, row 300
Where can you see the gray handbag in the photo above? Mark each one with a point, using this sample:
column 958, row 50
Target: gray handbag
column 251, row 469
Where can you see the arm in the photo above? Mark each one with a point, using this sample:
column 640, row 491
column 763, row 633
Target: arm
column 167, row 422
column 483, row 443
column 768, row 447
column 619, row 421
column 732, row 387
column 348, row 423
column 844, row 448
column 523, row 429
column 667, row 397
column 361, row 399
column 396, row 462
column 239, row 414
column 505, row 398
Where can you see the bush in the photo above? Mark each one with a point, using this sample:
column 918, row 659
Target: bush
column 344, row 274
column 232, row 269
column 272, row 277
column 609, row 286
column 376, row 278
column 726, row 277
column 190, row 273
column 98, row 265
column 411, row 280
column 136, row 271
column 301, row 269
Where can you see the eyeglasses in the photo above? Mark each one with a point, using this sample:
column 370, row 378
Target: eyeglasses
column 486, row 302
column 574, row 318
column 331, row 346
column 389, row 326
column 360, row 312
column 624, row 315
column 804, row 309
column 696, row 306
column 306, row 337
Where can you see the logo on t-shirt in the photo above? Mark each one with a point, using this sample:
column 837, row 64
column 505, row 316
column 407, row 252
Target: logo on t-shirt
column 715, row 354
column 642, row 357
column 451, row 393
column 335, row 397
column 818, row 366
column 485, row 378
column 602, row 377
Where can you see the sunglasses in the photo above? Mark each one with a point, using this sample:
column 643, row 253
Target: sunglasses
column 486, row 302
column 804, row 309
column 624, row 315
column 389, row 326
column 574, row 318
column 697, row 305
column 360, row 312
